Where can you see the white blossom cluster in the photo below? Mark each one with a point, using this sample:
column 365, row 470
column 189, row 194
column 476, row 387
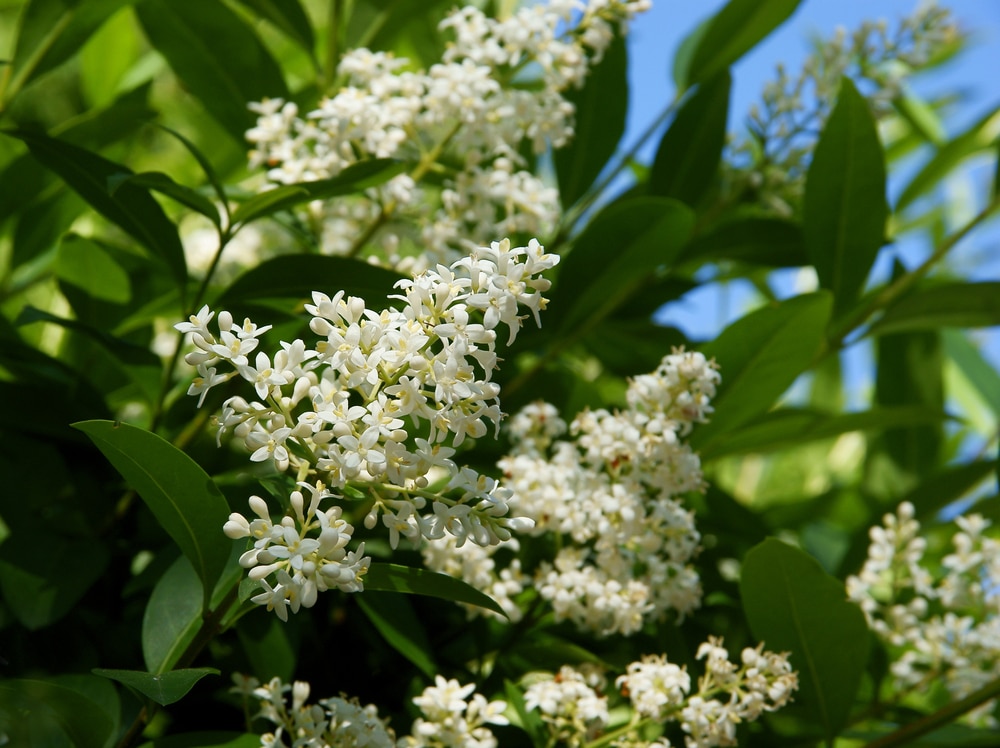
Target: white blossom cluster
column 938, row 616
column 499, row 84
column 452, row 716
column 573, row 707
column 378, row 403
column 609, row 496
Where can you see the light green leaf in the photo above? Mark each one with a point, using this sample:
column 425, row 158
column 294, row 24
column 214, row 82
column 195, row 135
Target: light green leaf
column 394, row 618
column 163, row 688
column 920, row 116
column 687, row 159
column 759, row 356
column 970, row 360
column 415, row 581
column 289, row 17
column 733, row 32
column 601, row 106
column 182, row 497
column 844, row 210
column 85, row 264
column 947, row 305
column 107, row 56
column 792, row 605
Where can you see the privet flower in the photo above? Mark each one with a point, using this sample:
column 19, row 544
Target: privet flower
column 610, row 494
column 938, row 614
column 377, row 404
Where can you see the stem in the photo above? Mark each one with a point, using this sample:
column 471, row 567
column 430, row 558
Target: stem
column 940, row 718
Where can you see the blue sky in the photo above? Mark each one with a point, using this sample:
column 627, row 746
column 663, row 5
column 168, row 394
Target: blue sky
column 654, row 37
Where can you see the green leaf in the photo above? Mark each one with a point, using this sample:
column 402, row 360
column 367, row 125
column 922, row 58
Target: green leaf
column 394, row 618
column 297, row 276
column 970, row 360
column 977, row 139
column 687, row 159
column 162, row 183
column 86, row 265
column 618, row 251
column 771, row 242
column 949, row 484
column 414, row 581
column 733, row 32
column 601, row 106
column 920, row 116
column 80, row 710
column 947, row 305
column 792, row 605
column 131, row 207
column 172, row 616
column 216, row 55
column 790, row 427
column 182, row 497
column 759, row 356
column 52, row 31
column 206, row 740
column 163, row 688
column 107, row 57
column 528, row 720
column 844, row 208
column 288, row 17
column 203, row 162
column 270, row 644
column 354, row 178
column 629, row 347
column 130, row 353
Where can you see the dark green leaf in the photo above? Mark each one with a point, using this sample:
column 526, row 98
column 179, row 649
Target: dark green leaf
column 172, row 616
column 206, row 740
column 789, row 427
column 619, row 250
column 948, row 305
column 270, row 644
column 217, row 56
column 772, row 242
column 629, row 347
column 354, row 178
column 414, row 581
column 287, row 16
column 297, row 276
column 203, row 162
column 600, row 122
column 950, row 484
column 52, row 31
column 733, row 32
column 85, row 264
column 131, row 207
column 759, row 356
column 844, row 210
column 394, row 618
column 164, row 688
column 792, row 605
column 180, row 494
column 162, row 183
column 81, row 711
column 687, row 159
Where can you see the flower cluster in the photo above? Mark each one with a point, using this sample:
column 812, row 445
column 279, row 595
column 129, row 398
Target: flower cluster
column 771, row 162
column 380, row 402
column 609, row 495
column 453, row 716
column 572, row 706
column 499, row 84
column 939, row 618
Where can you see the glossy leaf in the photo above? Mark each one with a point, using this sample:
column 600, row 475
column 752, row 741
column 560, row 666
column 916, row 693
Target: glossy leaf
column 85, row 264
column 947, row 305
column 216, row 55
column 620, row 248
column 354, row 178
column 162, row 183
column 163, row 688
column 844, row 210
column 601, row 106
column 688, row 156
column 790, row 427
column 81, row 711
column 771, row 242
column 52, row 31
column 759, row 356
column 792, row 605
column 289, row 17
column 180, row 494
column 415, row 581
column 395, row 619
column 733, row 32
column 132, row 208
column 206, row 740
column 297, row 276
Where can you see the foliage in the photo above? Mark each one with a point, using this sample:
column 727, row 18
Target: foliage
column 493, row 498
